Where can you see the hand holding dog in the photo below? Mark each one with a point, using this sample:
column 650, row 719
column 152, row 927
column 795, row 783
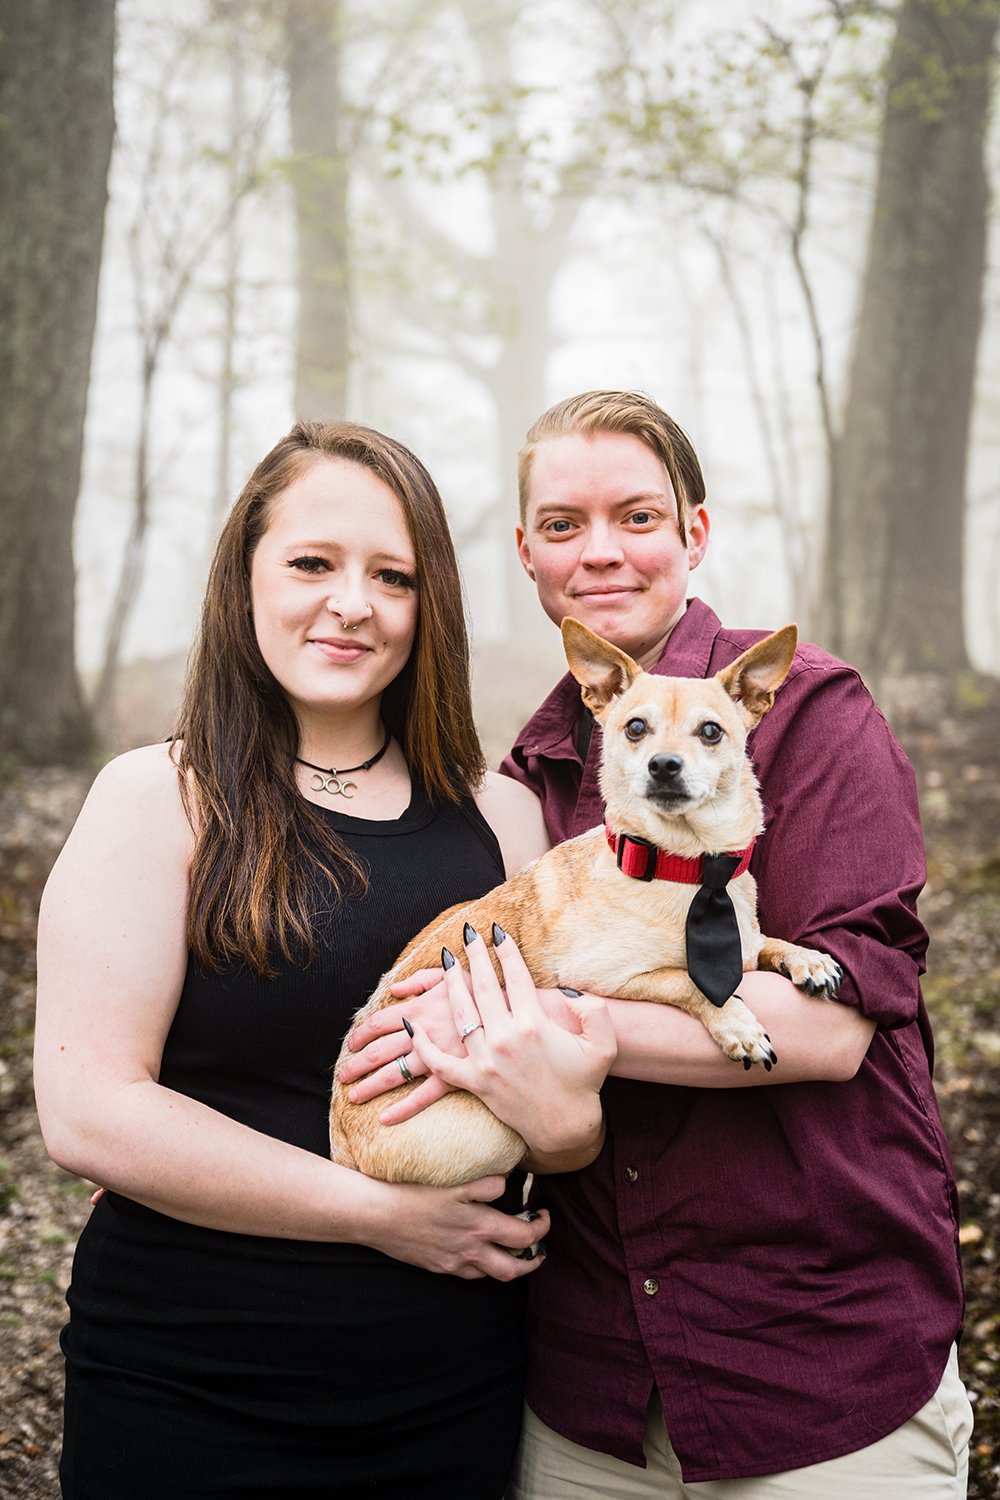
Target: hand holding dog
column 378, row 1042
column 455, row 1231
column 535, row 1075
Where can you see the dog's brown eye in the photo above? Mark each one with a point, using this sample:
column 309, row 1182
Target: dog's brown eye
column 635, row 729
column 711, row 732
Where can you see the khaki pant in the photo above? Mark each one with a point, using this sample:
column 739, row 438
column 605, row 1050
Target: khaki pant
column 925, row 1459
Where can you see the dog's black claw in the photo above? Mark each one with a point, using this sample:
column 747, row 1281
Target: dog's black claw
column 809, row 986
column 747, row 1064
column 784, row 969
column 774, row 1056
column 767, row 1066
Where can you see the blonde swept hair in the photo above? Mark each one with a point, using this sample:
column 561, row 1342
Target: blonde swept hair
column 620, row 411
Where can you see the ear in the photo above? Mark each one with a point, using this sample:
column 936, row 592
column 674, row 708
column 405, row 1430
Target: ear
column 524, row 552
column 754, row 678
column 602, row 671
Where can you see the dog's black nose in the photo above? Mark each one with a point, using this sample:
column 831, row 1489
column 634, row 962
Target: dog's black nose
column 665, row 767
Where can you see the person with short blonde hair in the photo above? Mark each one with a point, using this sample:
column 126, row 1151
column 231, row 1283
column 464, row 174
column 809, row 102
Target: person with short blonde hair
column 754, row 1292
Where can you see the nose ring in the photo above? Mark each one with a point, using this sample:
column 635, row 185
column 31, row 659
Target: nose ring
column 336, row 610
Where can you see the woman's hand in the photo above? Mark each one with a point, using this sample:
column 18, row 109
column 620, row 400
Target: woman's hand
column 456, row 1232
column 538, row 1077
column 381, row 1040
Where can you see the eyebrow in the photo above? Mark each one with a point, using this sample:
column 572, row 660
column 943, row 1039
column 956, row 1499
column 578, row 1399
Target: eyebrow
column 644, row 497
column 328, row 546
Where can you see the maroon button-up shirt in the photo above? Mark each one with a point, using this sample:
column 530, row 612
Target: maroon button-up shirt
column 781, row 1263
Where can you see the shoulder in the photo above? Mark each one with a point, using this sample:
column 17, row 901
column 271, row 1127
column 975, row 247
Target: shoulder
column 147, row 774
column 825, row 725
column 128, row 852
column 552, row 720
column 515, row 814
column 136, row 796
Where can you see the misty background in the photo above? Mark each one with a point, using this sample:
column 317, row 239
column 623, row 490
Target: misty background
column 777, row 217
column 437, row 218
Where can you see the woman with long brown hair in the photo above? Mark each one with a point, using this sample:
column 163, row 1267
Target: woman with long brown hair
column 249, row 1319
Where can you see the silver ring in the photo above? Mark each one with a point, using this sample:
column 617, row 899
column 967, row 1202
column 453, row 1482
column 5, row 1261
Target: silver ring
column 468, row 1030
column 404, row 1068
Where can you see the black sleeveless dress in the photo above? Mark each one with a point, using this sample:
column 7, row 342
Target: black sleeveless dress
column 202, row 1363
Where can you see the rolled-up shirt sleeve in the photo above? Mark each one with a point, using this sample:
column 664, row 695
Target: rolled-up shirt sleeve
column 841, row 862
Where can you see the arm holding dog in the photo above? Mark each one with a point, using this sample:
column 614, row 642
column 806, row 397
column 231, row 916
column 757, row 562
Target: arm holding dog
column 818, row 1040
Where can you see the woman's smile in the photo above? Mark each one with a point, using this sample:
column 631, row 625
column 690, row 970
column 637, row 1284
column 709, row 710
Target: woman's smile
column 334, row 591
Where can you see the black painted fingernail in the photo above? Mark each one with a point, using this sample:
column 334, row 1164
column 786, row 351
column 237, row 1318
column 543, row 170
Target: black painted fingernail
column 407, row 1027
column 529, row 1216
column 447, row 958
column 469, row 934
column 747, row 1065
column 498, row 934
column 568, row 990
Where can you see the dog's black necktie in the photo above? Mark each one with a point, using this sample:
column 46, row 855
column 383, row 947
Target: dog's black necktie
column 714, row 953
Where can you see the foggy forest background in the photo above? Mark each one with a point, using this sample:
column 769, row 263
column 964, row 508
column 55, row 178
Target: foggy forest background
column 437, row 218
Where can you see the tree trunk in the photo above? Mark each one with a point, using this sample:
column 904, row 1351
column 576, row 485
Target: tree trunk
column 319, row 180
column 895, row 530
column 528, row 260
column 56, row 129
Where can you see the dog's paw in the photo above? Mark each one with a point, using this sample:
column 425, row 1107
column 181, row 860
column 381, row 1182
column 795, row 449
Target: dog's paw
column 532, row 1251
column 741, row 1036
column 816, row 973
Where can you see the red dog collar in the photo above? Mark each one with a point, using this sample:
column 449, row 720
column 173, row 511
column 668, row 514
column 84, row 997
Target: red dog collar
column 645, row 861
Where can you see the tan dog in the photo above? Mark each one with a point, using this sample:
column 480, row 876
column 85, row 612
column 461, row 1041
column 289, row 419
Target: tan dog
column 675, row 775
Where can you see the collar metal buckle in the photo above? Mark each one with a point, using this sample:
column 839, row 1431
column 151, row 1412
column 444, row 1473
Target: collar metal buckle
column 649, row 873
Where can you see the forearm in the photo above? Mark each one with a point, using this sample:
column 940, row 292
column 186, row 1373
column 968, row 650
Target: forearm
column 815, row 1039
column 180, row 1157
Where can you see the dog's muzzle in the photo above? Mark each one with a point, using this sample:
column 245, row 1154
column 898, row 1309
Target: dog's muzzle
column 667, row 778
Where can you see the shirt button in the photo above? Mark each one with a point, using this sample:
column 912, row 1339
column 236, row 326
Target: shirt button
column 631, row 1175
column 651, row 1286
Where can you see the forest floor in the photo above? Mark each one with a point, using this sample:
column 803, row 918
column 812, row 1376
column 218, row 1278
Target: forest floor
column 956, row 751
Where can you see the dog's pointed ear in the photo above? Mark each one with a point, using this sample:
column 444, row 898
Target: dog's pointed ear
column 602, row 671
column 754, row 678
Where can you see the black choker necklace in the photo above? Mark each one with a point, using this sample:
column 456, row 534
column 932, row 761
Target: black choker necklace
column 329, row 780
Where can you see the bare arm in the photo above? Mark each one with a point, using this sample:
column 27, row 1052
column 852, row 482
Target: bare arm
column 515, row 815
column 815, row 1039
column 112, row 957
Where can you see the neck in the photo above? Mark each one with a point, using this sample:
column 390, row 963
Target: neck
column 648, row 655
column 343, row 742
